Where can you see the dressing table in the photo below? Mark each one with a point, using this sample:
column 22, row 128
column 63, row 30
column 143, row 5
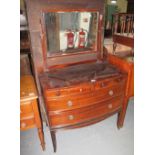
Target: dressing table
column 77, row 85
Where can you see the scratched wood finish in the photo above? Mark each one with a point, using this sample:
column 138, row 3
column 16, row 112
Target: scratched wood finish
column 78, row 89
column 74, row 95
column 97, row 92
column 29, row 112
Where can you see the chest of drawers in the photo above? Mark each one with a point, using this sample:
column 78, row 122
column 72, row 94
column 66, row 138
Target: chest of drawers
column 77, row 86
column 29, row 112
column 79, row 97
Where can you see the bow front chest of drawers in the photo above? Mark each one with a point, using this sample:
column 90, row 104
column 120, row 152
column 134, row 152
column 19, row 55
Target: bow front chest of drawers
column 77, row 86
column 84, row 94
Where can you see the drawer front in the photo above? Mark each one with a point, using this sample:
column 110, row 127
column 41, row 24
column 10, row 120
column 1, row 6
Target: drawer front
column 81, row 88
column 85, row 99
column 85, row 114
column 115, row 82
column 26, row 107
column 27, row 123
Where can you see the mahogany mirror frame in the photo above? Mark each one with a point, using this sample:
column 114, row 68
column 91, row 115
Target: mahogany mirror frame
column 98, row 45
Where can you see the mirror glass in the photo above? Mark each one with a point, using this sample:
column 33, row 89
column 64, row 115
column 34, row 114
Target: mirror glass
column 68, row 32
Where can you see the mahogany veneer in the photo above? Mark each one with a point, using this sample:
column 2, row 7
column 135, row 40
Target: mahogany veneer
column 76, row 88
column 81, row 95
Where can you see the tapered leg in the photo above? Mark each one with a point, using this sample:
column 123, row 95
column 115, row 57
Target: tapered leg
column 53, row 136
column 41, row 137
column 121, row 115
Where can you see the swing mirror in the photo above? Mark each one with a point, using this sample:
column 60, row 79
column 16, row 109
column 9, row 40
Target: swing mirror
column 70, row 32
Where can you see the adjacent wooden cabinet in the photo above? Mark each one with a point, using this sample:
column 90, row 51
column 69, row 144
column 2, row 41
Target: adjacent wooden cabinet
column 29, row 112
column 77, row 85
column 125, row 62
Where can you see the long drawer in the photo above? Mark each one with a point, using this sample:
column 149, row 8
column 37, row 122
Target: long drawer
column 77, row 101
column 85, row 114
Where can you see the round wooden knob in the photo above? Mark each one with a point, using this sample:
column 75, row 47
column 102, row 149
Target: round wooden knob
column 111, row 92
column 23, row 125
column 109, row 106
column 69, row 103
column 70, row 117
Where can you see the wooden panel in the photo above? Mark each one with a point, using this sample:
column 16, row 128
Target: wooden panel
column 27, row 123
column 26, row 107
column 24, row 65
column 120, row 39
column 85, row 114
column 27, row 88
column 81, row 88
column 127, row 67
column 70, row 102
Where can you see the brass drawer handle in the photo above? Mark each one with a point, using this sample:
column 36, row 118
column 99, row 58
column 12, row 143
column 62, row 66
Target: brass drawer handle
column 69, row 103
column 70, row 117
column 23, row 125
column 109, row 106
column 111, row 92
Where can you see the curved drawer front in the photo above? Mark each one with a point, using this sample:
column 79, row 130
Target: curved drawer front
column 85, row 99
column 85, row 114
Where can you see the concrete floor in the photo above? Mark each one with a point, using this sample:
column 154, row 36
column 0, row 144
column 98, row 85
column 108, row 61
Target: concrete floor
column 99, row 139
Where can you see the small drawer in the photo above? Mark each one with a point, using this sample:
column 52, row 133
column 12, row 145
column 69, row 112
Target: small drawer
column 85, row 114
column 26, row 107
column 27, row 123
column 114, row 82
column 77, row 89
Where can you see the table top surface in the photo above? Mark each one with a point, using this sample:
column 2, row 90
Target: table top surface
column 28, row 89
column 58, row 78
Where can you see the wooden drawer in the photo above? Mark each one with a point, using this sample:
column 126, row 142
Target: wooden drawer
column 26, row 107
column 85, row 114
column 27, row 123
column 77, row 101
column 76, row 89
column 105, row 83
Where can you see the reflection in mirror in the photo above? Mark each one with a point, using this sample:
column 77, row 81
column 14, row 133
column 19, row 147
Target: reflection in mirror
column 71, row 31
